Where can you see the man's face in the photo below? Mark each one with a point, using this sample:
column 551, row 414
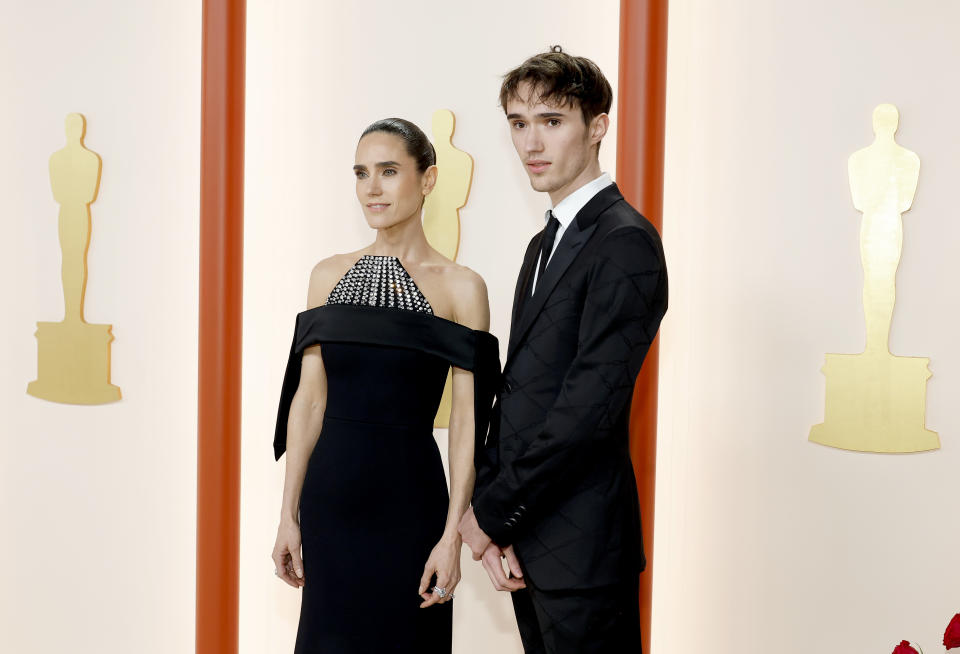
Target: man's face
column 554, row 144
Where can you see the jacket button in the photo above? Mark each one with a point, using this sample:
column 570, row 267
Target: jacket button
column 507, row 387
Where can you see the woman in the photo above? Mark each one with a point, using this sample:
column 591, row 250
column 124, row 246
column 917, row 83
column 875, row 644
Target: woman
column 364, row 491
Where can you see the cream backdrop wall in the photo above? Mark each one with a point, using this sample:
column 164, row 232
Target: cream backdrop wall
column 317, row 74
column 765, row 542
column 97, row 503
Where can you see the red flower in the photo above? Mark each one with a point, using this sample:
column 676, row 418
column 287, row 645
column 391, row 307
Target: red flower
column 951, row 637
column 904, row 648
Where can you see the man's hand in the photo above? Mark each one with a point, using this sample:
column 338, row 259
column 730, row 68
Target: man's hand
column 473, row 535
column 494, row 568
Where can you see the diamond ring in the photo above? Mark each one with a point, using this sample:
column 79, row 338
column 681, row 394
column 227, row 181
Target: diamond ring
column 442, row 592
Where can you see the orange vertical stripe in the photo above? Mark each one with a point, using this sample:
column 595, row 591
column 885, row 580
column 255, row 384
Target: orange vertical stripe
column 221, row 280
column 640, row 137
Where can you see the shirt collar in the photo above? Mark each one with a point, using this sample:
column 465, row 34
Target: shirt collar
column 568, row 208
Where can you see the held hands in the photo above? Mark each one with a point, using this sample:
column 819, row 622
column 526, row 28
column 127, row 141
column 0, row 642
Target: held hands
column 286, row 554
column 444, row 561
column 473, row 535
column 484, row 548
column 492, row 564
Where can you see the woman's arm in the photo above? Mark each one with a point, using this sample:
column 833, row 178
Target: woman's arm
column 471, row 309
column 303, row 430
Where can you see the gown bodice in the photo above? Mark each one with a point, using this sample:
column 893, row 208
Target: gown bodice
column 386, row 385
column 385, row 353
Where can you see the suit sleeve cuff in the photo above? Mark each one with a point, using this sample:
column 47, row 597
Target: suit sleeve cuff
column 501, row 528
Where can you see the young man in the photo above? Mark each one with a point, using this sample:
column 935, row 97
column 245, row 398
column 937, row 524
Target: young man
column 556, row 495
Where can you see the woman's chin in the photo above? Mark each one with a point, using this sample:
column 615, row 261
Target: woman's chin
column 377, row 222
column 381, row 222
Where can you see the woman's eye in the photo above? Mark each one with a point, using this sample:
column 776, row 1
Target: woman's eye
column 389, row 171
column 361, row 175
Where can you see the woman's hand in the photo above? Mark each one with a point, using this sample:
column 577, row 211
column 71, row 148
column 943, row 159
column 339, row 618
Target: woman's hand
column 286, row 554
column 444, row 561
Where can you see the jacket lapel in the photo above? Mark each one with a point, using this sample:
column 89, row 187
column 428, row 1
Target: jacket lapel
column 522, row 294
column 574, row 238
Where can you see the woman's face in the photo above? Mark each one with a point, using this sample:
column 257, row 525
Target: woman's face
column 389, row 186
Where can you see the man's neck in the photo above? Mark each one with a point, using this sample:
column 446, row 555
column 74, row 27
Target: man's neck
column 586, row 176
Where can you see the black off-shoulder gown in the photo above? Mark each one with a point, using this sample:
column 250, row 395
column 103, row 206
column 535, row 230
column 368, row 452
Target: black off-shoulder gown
column 374, row 499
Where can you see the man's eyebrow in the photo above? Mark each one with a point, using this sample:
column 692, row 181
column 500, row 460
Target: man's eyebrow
column 545, row 114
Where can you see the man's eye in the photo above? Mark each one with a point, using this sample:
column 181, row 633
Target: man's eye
column 553, row 122
column 360, row 174
column 519, row 125
column 389, row 171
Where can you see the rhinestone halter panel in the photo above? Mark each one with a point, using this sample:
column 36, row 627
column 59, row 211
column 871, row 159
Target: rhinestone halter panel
column 379, row 281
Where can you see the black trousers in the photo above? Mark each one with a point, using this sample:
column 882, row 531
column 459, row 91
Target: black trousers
column 604, row 620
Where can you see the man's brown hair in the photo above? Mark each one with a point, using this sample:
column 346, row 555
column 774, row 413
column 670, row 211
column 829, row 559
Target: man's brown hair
column 561, row 79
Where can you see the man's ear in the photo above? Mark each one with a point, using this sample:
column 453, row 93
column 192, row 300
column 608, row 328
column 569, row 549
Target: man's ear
column 598, row 128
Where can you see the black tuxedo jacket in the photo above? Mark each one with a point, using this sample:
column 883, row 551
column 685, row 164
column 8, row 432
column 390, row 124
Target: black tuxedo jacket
column 554, row 476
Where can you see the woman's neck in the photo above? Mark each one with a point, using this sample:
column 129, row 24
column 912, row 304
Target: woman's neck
column 405, row 240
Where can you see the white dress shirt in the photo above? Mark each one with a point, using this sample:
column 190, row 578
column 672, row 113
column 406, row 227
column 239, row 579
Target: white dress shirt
column 566, row 211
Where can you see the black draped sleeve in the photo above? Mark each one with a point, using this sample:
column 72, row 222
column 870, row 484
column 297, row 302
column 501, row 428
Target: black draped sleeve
column 470, row 349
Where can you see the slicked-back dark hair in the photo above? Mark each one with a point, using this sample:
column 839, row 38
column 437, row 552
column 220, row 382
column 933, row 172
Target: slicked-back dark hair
column 562, row 80
column 417, row 144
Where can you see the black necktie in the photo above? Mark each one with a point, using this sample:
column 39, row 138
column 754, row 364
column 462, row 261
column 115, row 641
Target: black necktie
column 546, row 246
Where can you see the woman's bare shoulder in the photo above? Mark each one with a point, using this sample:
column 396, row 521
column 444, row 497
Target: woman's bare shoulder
column 454, row 278
column 325, row 275
column 469, row 292
column 469, row 281
column 455, row 274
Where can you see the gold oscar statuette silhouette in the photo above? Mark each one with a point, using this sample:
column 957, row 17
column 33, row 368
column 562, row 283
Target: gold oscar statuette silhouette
column 875, row 401
column 73, row 356
column 441, row 211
